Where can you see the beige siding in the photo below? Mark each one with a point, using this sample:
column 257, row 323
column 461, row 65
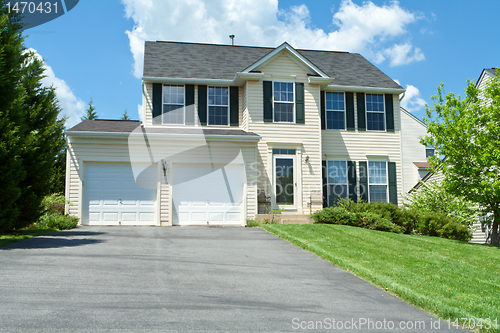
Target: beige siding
column 82, row 150
column 366, row 145
column 281, row 135
column 412, row 149
column 244, row 108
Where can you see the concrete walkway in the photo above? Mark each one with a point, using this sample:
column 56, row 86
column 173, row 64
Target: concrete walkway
column 152, row 279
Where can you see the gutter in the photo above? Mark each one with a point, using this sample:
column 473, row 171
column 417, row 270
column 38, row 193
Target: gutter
column 238, row 79
column 365, row 89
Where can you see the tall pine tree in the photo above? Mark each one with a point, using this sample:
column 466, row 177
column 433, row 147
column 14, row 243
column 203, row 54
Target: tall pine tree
column 30, row 134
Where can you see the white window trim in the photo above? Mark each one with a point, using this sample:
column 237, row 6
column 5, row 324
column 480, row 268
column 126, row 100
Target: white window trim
column 386, row 180
column 228, row 106
column 183, row 105
column 328, row 183
column 366, row 113
column 293, row 102
column 326, row 112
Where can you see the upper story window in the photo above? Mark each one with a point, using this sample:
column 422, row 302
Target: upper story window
column 283, row 101
column 429, row 151
column 335, row 110
column 377, row 181
column 173, row 104
column 218, row 106
column 375, row 112
column 337, row 181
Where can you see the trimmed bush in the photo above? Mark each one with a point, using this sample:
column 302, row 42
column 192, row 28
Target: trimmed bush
column 385, row 216
column 57, row 221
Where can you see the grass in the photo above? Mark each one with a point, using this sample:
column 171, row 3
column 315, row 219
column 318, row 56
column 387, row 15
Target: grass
column 449, row 279
column 9, row 238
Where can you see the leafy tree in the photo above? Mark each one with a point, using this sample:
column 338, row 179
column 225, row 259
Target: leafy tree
column 125, row 115
column 91, row 113
column 30, row 133
column 467, row 132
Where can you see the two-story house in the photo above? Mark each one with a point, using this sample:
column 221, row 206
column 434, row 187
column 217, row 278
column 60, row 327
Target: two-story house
column 228, row 131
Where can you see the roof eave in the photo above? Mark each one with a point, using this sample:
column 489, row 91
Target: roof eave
column 333, row 87
column 88, row 134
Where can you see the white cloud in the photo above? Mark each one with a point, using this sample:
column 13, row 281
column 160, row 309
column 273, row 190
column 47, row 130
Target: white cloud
column 412, row 101
column 139, row 111
column 71, row 106
column 403, row 54
column 368, row 29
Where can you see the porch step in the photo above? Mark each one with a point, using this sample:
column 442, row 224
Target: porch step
column 286, row 218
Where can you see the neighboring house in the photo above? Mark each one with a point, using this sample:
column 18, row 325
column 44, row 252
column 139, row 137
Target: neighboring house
column 231, row 130
column 414, row 154
column 480, row 230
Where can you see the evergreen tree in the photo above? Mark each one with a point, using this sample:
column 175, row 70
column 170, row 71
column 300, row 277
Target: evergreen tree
column 30, row 134
column 91, row 113
column 12, row 128
column 125, row 115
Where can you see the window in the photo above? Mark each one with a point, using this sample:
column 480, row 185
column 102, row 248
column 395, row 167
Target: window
column 173, row 105
column 429, row 151
column 375, row 112
column 337, row 181
column 283, row 152
column 377, row 181
column 218, row 106
column 283, row 102
column 335, row 110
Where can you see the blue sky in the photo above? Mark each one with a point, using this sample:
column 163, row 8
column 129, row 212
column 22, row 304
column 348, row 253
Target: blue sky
column 95, row 50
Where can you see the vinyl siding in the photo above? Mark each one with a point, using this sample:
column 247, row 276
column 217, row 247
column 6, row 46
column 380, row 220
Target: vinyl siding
column 366, row 145
column 283, row 135
column 412, row 149
column 81, row 150
column 147, row 104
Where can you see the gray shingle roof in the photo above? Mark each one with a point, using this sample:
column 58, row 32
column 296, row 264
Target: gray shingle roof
column 491, row 71
column 127, row 126
column 211, row 61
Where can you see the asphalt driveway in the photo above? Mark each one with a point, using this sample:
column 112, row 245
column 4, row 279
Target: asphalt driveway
column 154, row 279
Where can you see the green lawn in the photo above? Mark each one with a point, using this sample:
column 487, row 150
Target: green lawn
column 447, row 278
column 16, row 236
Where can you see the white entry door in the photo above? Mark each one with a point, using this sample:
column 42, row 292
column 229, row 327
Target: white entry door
column 112, row 197
column 202, row 193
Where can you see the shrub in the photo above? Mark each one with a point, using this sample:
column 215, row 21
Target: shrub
column 54, row 203
column 433, row 197
column 385, row 216
column 333, row 215
column 57, row 221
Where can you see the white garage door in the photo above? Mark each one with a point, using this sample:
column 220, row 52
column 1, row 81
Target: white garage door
column 112, row 197
column 202, row 194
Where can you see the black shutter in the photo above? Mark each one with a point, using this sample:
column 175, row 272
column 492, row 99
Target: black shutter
column 323, row 110
column 202, row 104
column 157, row 98
column 234, row 113
column 189, row 110
column 389, row 112
column 363, row 180
column 349, row 108
column 300, row 117
column 325, row 184
column 268, row 101
column 393, row 183
column 360, row 98
column 351, row 180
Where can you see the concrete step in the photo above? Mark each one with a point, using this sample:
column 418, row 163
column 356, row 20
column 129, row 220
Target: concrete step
column 287, row 218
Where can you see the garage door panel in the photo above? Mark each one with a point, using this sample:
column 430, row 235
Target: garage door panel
column 203, row 197
column 112, row 197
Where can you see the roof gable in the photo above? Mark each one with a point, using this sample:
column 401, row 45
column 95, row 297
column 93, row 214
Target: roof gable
column 298, row 58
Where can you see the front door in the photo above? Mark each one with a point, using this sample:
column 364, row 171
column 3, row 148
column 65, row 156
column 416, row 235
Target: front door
column 284, row 181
